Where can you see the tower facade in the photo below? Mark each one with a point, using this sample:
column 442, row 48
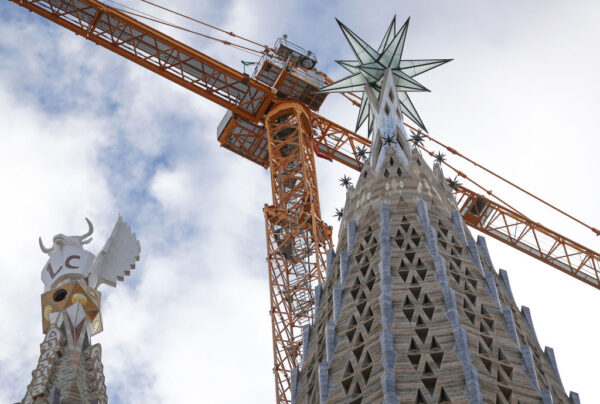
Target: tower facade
column 69, row 370
column 413, row 309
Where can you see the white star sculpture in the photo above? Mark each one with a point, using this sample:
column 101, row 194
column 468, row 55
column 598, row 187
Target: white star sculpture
column 370, row 65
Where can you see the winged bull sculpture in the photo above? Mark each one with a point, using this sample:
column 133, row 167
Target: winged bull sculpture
column 69, row 260
column 70, row 368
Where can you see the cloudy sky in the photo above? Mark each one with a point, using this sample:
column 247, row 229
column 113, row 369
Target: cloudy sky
column 85, row 133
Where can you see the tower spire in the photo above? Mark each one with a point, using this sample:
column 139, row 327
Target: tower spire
column 412, row 309
column 370, row 66
column 70, row 368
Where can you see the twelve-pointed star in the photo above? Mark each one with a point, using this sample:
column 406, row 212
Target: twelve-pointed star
column 439, row 158
column 370, row 66
column 361, row 153
column 453, row 183
column 345, row 181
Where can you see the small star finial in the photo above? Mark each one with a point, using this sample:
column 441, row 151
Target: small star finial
column 346, row 182
column 388, row 140
column 417, row 139
column 362, row 153
column 453, row 183
column 439, row 158
column 339, row 213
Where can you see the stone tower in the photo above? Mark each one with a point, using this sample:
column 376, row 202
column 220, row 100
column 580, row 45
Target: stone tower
column 69, row 370
column 413, row 310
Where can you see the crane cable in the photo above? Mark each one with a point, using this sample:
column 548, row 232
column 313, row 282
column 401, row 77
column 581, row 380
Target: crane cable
column 223, row 41
column 140, row 14
column 466, row 177
column 230, row 33
column 457, row 153
column 266, row 48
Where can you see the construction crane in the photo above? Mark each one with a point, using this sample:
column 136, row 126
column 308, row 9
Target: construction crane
column 272, row 120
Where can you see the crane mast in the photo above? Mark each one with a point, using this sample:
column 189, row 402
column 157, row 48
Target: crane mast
column 272, row 121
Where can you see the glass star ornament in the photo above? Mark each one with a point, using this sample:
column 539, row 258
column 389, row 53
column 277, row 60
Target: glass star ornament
column 369, row 68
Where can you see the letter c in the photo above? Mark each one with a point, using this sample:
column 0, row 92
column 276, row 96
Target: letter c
column 68, row 261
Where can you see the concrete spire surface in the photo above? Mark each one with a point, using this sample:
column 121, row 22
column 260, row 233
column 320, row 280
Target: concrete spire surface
column 413, row 309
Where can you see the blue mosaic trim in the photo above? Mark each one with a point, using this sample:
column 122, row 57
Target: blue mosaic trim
column 458, row 225
column 337, row 301
column 552, row 359
column 330, row 261
column 344, row 266
column 306, row 333
column 386, row 338
column 400, row 153
column 318, row 295
column 323, row 382
column 458, row 330
column 510, row 324
column 295, row 379
column 505, row 281
column 381, row 157
column 491, row 287
column 351, row 233
column 484, row 249
column 546, row 397
column 529, row 366
column 527, row 314
column 330, row 341
column 474, row 253
column 574, row 397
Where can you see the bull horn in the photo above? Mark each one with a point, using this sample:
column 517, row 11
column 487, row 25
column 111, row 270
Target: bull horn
column 44, row 249
column 90, row 230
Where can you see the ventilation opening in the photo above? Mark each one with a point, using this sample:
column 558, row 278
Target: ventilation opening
column 366, row 373
column 422, row 334
column 437, row 358
column 59, row 295
column 444, row 399
column 430, row 384
column 346, row 384
column 414, row 359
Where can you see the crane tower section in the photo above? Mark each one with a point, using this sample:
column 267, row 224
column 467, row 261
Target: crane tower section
column 290, row 73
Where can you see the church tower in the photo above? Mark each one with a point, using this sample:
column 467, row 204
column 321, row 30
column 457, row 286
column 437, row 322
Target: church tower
column 69, row 370
column 413, row 309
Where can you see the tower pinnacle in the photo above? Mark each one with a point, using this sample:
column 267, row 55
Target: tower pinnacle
column 412, row 309
column 370, row 66
column 70, row 368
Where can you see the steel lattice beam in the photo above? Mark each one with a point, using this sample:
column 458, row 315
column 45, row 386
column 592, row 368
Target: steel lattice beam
column 159, row 53
column 297, row 238
column 532, row 238
column 285, row 138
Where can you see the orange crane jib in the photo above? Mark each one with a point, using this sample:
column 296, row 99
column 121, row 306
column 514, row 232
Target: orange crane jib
column 272, row 121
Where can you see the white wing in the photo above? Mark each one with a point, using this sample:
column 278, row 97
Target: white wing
column 117, row 258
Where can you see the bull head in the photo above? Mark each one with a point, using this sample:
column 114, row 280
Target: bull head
column 60, row 240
